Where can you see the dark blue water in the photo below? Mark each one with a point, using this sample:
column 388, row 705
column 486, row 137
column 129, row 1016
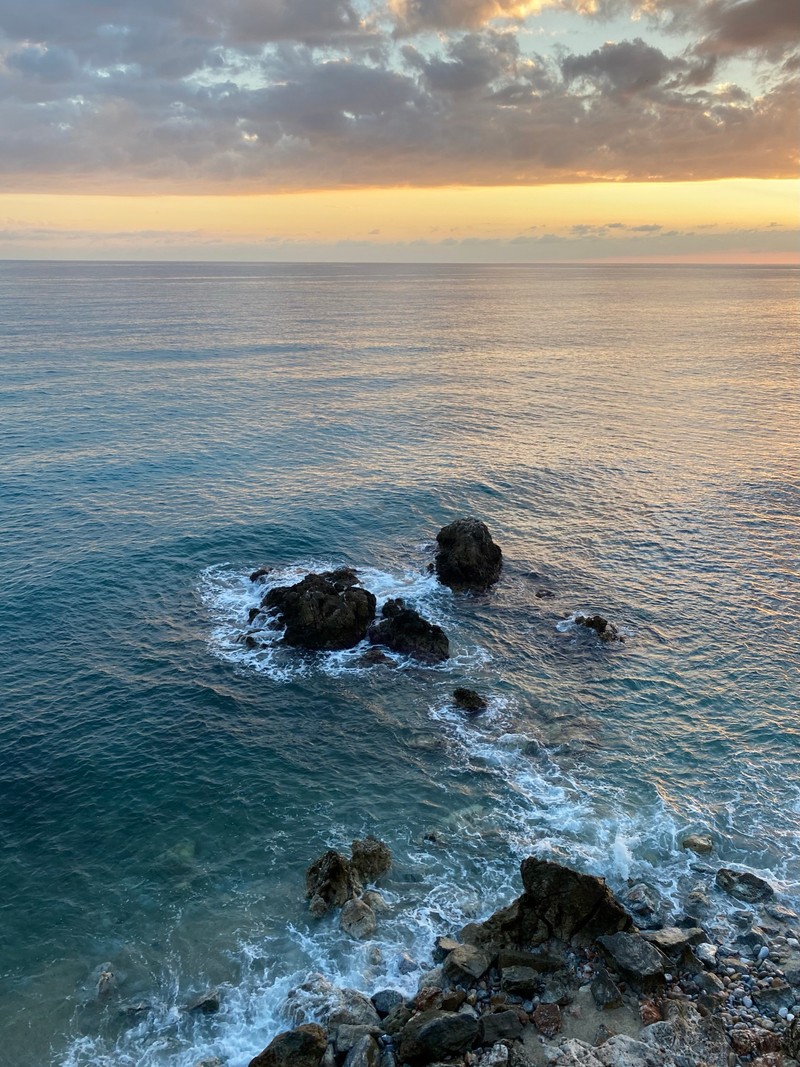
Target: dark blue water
column 629, row 435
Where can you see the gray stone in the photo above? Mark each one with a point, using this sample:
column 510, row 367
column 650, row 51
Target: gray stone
column 642, row 902
column 442, row 946
column 375, row 901
column 386, row 1000
column 466, row 964
column 397, row 1019
column 520, row 981
column 365, row 1053
column 206, row 1004
column 348, row 1035
column 302, row 1047
column 642, row 964
column 744, row 886
column 436, row 1035
column 499, row 1026
column 672, row 940
column 358, row 919
column 604, row 991
column 371, row 859
column 353, row 1007
column 330, row 882
column 706, row 953
column 700, row 843
column 406, row 965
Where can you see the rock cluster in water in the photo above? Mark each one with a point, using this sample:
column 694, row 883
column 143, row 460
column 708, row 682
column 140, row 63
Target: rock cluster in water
column 561, row 977
column 468, row 558
column 334, row 881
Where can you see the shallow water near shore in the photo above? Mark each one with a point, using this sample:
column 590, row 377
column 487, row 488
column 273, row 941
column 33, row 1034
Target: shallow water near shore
column 630, row 437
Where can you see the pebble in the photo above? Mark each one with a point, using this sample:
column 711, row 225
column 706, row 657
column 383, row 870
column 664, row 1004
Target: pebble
column 747, row 1001
column 763, row 953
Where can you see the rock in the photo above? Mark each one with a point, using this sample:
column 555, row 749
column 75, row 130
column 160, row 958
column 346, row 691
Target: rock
column 371, row 859
column 453, row 999
column 557, row 989
column 466, row 964
column 467, row 558
column 468, row 700
column 547, row 1019
column 319, row 999
column 301, row 1047
column 397, row 1019
column 520, row 981
column 791, row 1039
column 428, row 997
column 673, row 940
column 604, row 629
column 442, row 946
column 375, row 901
column 436, row 1035
column 364, row 1054
column 700, row 843
column 323, row 611
column 771, row 1000
column 496, row 1056
column 604, row 991
column 206, row 1004
column 544, row 594
column 330, row 882
column 499, row 1026
column 706, row 953
column 640, row 963
column 348, row 1035
column 404, row 631
column 372, row 657
column 210, row 1061
column 644, row 903
column 354, row 1008
column 405, row 964
column 386, row 1000
column 106, row 984
column 545, row 959
column 744, row 886
column 262, row 572
column 557, row 903
column 358, row 919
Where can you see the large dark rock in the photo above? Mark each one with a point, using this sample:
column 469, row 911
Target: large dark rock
column 604, row 629
column 465, row 964
column 467, row 558
column 323, row 611
column 499, row 1026
column 371, row 858
column 557, row 902
column 330, row 882
column 468, row 700
column 641, row 963
column 404, row 630
column 302, row 1047
column 434, row 1036
column 744, row 886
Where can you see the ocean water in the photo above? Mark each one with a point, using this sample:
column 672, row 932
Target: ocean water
column 630, row 436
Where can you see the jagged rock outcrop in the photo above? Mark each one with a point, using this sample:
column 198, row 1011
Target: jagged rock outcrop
column 403, row 630
column 301, row 1047
column 330, row 882
column 323, row 611
column 604, row 629
column 468, row 558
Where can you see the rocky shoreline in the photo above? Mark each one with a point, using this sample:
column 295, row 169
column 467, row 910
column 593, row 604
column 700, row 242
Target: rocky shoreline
column 563, row 977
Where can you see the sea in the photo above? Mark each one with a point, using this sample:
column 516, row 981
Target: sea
column 631, row 437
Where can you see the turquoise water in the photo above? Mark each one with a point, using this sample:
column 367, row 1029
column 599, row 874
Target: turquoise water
column 630, row 437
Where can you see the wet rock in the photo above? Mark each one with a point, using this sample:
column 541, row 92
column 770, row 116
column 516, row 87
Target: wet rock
column 354, row 1008
column 319, row 999
column 791, row 1039
column 778, row 995
column 397, row 1019
column 364, row 1054
column 643, row 903
column 206, row 1004
column 547, row 1019
column 468, row 700
column 436, row 1035
column 301, row 1047
column 262, row 572
column 375, row 901
column 403, row 630
column 467, row 557
column 373, row 657
column 640, row 963
column 348, row 1036
column 358, row 919
column 557, row 989
column 497, row 1056
column 405, row 964
column 442, row 946
column 545, row 959
column 499, row 1026
column 210, row 1061
column 706, row 953
column 453, row 999
column 106, row 984
column 135, row 1010
column 605, row 993
column 700, row 843
column 544, row 594
column 520, row 981
column 371, row 859
column 323, row 611
column 466, row 964
column 386, row 1000
column 604, row 629
column 330, row 882
column 674, row 940
column 744, row 886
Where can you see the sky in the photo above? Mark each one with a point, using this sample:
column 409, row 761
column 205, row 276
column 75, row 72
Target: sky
column 407, row 130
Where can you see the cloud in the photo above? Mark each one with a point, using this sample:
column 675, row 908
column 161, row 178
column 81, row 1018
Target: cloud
column 414, row 15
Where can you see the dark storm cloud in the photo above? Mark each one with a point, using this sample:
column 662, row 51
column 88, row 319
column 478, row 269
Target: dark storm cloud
column 209, row 96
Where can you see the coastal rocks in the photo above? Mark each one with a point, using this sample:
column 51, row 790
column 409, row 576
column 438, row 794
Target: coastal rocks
column 605, row 992
column 641, row 963
column 470, row 701
column 699, row 843
column 323, row 611
column 301, row 1047
column 319, row 999
column 468, row 558
column 465, row 964
column 604, row 629
column 358, row 919
column 433, row 1036
column 403, row 630
column 386, row 1000
column 557, row 903
column 500, row 1026
column 206, row 1004
column 744, row 886
column 547, row 1019
column 330, row 882
column 371, row 859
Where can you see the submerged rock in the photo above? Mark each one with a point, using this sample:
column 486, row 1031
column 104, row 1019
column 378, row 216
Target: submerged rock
column 323, row 611
column 206, row 1004
column 301, row 1047
column 403, row 630
column 700, row 843
column 604, row 629
column 467, row 558
column 468, row 700
column 744, row 886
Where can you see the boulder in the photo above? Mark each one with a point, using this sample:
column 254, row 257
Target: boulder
column 557, row 903
column 465, row 964
column 206, row 1004
column 520, row 981
column 604, row 991
column 262, row 572
column 348, row 1036
column 674, row 940
column 744, row 886
column 386, row 1000
column 468, row 700
column 364, row 1054
column 442, row 946
column 301, row 1047
column 323, row 611
column 499, row 1026
column 467, row 557
column 358, row 919
column 641, row 963
column 330, row 882
column 317, row 998
column 644, row 903
column 370, row 859
column 404, row 631
column 604, row 629
column 434, row 1036
column 700, row 843
column 547, row 1019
